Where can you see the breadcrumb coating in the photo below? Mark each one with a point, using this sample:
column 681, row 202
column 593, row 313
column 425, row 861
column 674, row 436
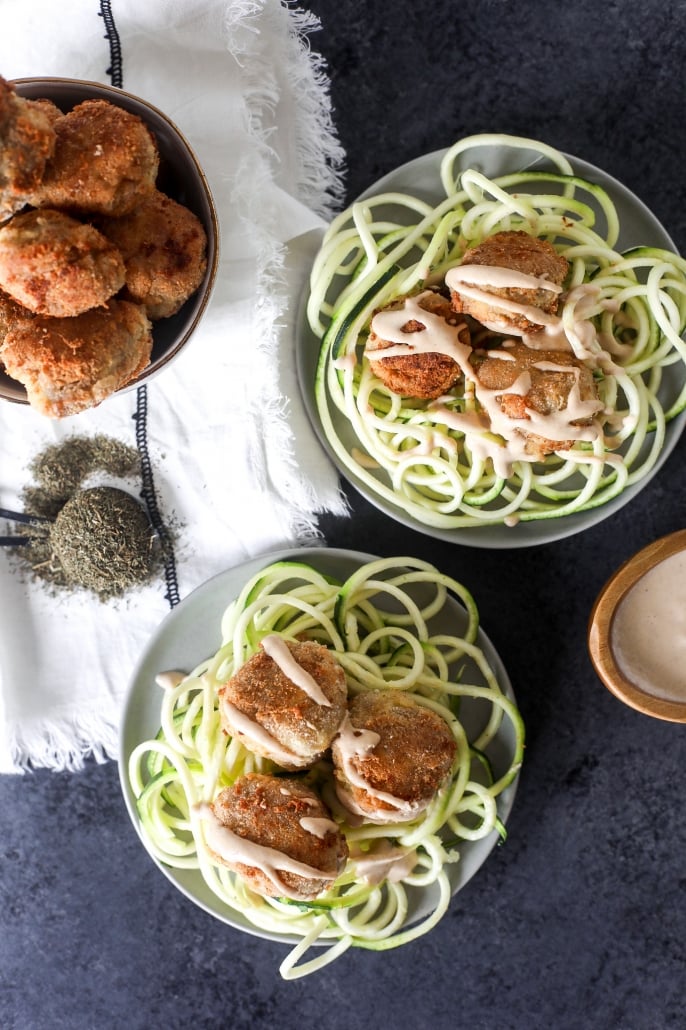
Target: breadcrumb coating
column 105, row 161
column 164, row 246
column 70, row 364
column 275, row 812
column 27, row 141
column 54, row 265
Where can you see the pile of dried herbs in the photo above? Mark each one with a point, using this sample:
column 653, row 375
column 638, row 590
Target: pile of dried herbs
column 99, row 538
column 103, row 541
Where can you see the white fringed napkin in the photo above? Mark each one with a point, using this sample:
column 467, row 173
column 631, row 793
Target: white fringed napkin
column 237, row 469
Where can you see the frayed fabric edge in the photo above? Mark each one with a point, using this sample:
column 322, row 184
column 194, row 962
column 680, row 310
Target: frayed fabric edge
column 61, row 745
column 320, row 188
column 320, row 155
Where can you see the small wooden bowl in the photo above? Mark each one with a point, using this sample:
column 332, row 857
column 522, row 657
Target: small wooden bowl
column 600, row 629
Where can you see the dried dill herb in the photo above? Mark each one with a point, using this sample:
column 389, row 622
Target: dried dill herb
column 103, row 541
column 61, row 468
column 100, row 538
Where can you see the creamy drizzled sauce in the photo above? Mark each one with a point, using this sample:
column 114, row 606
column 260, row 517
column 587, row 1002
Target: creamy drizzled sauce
column 497, row 277
column 280, row 653
column 492, row 275
column 346, row 363
column 352, row 744
column 233, row 849
column 169, row 679
column 441, row 337
column 254, row 732
column 648, row 633
column 318, row 826
column 383, row 861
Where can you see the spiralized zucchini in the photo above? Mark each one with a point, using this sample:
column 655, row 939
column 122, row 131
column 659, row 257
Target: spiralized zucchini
column 404, row 450
column 394, row 623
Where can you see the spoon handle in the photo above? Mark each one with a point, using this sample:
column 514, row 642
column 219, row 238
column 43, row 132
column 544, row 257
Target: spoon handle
column 21, row 516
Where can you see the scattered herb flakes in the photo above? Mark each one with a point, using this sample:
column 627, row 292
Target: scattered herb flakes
column 100, row 538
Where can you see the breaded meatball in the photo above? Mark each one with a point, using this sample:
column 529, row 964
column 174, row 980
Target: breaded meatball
column 49, row 108
column 286, row 702
column 391, row 756
column 27, row 141
column 277, row 834
column 10, row 314
column 514, row 266
column 563, row 398
column 70, row 364
column 429, row 371
column 105, row 161
column 54, row 265
column 164, row 249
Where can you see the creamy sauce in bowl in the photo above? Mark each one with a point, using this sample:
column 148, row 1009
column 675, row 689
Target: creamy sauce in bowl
column 637, row 630
column 648, row 632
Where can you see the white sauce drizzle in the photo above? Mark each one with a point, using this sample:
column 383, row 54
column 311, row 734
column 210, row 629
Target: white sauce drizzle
column 280, row 653
column 345, row 363
column 441, row 337
column 318, row 826
column 254, row 732
column 648, row 632
column 169, row 679
column 529, row 311
column 233, row 849
column 499, row 277
column 383, row 861
column 351, row 744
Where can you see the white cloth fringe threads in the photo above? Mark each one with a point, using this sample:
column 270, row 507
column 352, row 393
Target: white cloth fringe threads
column 238, row 469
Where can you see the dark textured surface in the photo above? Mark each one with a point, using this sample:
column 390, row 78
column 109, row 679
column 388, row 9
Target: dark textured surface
column 579, row 921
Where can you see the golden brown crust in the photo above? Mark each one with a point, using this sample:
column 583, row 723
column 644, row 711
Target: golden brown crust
column 268, row 810
column 48, row 107
column 164, row 249
column 549, row 390
column 422, row 375
column 266, row 696
column 521, row 252
column 105, row 161
column 27, row 141
column 10, row 314
column 54, row 265
column 70, row 364
column 412, row 758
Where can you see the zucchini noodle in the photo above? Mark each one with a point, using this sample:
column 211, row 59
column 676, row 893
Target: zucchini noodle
column 394, row 623
column 623, row 315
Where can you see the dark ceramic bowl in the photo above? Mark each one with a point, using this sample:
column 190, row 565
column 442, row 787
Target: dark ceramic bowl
column 180, row 176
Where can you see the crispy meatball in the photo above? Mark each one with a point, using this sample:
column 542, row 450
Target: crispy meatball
column 70, row 364
column 49, row 108
column 426, row 373
column 518, row 253
column 105, row 161
column 391, row 756
column 164, row 249
column 277, row 834
column 27, row 141
column 10, row 314
column 272, row 715
column 551, row 391
column 54, row 265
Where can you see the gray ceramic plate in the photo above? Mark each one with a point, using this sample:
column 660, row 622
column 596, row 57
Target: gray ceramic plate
column 639, row 227
column 191, row 633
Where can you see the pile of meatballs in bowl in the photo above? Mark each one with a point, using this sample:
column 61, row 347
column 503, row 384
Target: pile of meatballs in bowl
column 108, row 243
